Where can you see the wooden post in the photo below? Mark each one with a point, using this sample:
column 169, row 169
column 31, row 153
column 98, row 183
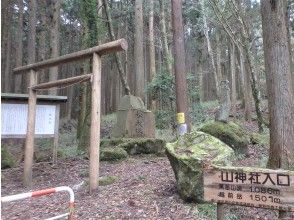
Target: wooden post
column 29, row 145
column 220, row 214
column 95, row 122
column 56, row 134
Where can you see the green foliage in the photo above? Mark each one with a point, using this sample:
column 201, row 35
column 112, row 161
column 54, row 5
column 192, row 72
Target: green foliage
column 7, row 160
column 207, row 211
column 164, row 119
column 162, row 88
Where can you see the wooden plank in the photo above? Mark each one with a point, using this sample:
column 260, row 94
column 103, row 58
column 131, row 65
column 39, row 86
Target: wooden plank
column 12, row 97
column 95, row 123
column 254, row 187
column 56, row 134
column 8, row 136
column 29, row 144
column 62, row 82
column 107, row 48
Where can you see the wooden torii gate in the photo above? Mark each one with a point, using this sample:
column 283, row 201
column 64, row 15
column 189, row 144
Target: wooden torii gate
column 95, row 77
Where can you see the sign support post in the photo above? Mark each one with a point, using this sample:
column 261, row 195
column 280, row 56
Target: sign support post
column 29, row 144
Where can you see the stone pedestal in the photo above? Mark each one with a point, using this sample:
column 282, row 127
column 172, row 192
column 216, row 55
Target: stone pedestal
column 133, row 119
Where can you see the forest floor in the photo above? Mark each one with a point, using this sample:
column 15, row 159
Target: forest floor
column 144, row 188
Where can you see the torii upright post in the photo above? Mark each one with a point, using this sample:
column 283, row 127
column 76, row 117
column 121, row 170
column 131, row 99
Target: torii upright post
column 29, row 144
column 95, row 122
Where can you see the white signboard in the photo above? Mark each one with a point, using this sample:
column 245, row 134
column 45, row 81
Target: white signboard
column 14, row 119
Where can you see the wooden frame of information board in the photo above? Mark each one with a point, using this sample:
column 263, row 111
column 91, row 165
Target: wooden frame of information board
column 15, row 99
column 94, row 53
column 249, row 186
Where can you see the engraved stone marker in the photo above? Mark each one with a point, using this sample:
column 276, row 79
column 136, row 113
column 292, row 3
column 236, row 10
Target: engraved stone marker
column 133, row 119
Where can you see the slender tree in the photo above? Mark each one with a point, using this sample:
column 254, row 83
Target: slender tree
column 138, row 50
column 54, row 39
column 152, row 66
column 19, row 47
column 179, row 62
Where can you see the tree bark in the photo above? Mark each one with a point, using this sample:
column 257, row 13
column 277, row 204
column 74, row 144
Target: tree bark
column 117, row 58
column 246, row 87
column 7, row 73
column 152, row 66
column 54, row 40
column 138, row 50
column 166, row 53
column 179, row 65
column 233, row 78
column 279, row 86
column 19, row 47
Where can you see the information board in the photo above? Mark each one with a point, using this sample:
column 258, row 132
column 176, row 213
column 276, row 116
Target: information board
column 262, row 188
column 14, row 119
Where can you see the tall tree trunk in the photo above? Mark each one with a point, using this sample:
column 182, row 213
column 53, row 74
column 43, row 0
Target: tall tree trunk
column 166, row 53
column 278, row 78
column 179, row 66
column 233, row 79
column 42, row 40
column 152, row 67
column 19, row 47
column 117, row 58
column 246, row 86
column 32, row 31
column 138, row 49
column 220, row 75
column 7, row 73
column 210, row 52
column 54, row 40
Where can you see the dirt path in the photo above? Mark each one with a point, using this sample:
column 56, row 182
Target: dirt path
column 145, row 189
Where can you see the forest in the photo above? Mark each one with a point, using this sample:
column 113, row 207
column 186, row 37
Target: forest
column 205, row 79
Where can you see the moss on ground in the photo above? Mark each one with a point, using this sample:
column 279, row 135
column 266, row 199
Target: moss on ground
column 107, row 180
column 135, row 146
column 113, row 154
column 230, row 133
column 7, row 160
column 189, row 155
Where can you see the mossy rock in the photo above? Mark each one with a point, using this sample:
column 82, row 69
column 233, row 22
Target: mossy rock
column 135, row 146
column 107, row 180
column 230, row 133
column 113, row 154
column 189, row 155
column 7, row 160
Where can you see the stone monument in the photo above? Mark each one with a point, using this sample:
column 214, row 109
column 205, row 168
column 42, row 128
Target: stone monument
column 133, row 119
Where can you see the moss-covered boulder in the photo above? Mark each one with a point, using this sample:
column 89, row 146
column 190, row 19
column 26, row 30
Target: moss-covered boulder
column 7, row 160
column 189, row 155
column 135, row 146
column 113, row 154
column 230, row 133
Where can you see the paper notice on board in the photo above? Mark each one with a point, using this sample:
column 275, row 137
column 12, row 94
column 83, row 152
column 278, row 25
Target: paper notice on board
column 14, row 119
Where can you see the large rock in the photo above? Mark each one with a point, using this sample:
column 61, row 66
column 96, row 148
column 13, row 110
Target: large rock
column 230, row 133
column 133, row 119
column 189, row 155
